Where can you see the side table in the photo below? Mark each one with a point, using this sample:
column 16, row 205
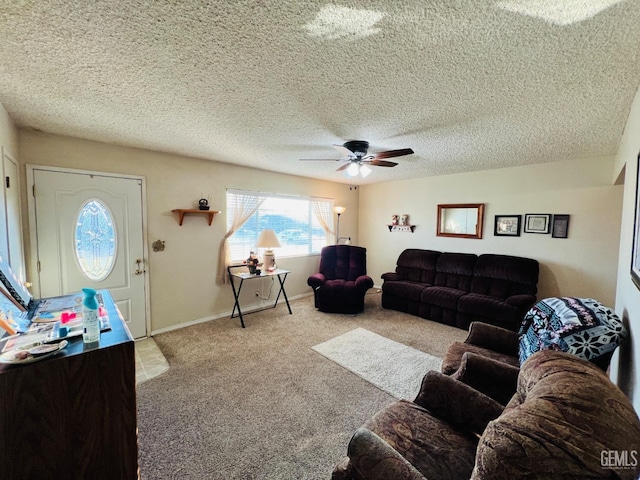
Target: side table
column 278, row 273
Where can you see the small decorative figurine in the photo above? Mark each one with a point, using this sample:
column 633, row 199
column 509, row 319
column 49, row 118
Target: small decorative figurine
column 404, row 219
column 394, row 219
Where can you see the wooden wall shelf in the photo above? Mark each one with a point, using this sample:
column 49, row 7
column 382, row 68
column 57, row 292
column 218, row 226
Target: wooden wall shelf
column 401, row 228
column 184, row 211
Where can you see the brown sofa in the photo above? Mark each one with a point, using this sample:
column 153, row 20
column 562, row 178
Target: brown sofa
column 565, row 421
column 490, row 356
column 460, row 288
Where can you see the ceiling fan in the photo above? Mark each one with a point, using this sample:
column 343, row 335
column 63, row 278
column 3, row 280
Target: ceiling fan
column 356, row 159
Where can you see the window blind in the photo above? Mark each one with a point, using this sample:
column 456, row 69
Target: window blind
column 295, row 220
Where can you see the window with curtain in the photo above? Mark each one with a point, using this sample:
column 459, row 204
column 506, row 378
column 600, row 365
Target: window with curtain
column 303, row 225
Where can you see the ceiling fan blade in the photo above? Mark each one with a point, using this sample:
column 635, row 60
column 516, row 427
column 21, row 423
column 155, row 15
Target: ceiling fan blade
column 343, row 167
column 320, row 159
column 393, row 153
column 381, row 163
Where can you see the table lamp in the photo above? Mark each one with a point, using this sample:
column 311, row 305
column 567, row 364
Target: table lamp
column 268, row 240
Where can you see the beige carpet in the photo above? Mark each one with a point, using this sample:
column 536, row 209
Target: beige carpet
column 259, row 403
column 390, row 366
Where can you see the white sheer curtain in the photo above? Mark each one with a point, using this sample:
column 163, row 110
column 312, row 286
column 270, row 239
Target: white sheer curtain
column 323, row 211
column 240, row 207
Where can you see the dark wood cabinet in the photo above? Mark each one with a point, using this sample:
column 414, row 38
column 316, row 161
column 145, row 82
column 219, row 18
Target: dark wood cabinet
column 72, row 416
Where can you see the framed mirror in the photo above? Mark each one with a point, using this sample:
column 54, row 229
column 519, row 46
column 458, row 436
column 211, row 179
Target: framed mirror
column 462, row 220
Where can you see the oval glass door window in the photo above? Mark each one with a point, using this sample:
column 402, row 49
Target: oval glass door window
column 95, row 240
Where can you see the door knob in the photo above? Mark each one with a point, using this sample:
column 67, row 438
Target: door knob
column 140, row 263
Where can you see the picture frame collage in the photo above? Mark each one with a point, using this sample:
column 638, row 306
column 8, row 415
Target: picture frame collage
column 541, row 223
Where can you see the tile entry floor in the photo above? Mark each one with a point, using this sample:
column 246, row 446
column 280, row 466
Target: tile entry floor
column 149, row 360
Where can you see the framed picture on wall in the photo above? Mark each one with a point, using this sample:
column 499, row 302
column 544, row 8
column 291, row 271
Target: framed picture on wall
column 507, row 225
column 635, row 247
column 560, row 226
column 537, row 222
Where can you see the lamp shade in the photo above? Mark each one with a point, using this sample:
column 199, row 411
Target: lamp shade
column 339, row 210
column 267, row 239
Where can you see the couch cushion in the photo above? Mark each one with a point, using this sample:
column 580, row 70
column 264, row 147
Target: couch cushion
column 488, row 306
column 432, row 446
column 565, row 414
column 417, row 265
column 371, row 458
column 442, row 297
column 344, row 291
column 409, row 290
column 454, row 270
column 343, row 261
column 580, row 326
column 502, row 276
column 453, row 357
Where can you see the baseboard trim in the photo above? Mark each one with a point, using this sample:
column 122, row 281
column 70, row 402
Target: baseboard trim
column 246, row 309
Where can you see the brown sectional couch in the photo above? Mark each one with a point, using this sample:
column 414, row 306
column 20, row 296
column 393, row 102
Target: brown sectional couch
column 565, row 421
column 460, row 288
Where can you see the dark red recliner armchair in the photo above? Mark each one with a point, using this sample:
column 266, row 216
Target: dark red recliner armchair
column 342, row 282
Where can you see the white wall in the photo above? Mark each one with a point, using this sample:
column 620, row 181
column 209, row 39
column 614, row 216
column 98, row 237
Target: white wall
column 182, row 279
column 8, row 133
column 625, row 368
column 583, row 265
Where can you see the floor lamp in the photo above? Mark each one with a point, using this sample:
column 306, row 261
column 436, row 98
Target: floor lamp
column 339, row 211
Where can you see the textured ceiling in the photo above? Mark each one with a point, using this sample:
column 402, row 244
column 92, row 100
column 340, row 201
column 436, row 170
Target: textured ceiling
column 467, row 84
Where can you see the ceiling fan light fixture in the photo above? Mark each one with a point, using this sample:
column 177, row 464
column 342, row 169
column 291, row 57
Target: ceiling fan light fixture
column 353, row 170
column 356, row 160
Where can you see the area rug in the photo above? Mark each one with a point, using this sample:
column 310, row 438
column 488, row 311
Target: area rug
column 391, row 366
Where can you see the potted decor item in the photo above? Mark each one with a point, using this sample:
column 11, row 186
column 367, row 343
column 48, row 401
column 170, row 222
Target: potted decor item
column 203, row 204
column 252, row 263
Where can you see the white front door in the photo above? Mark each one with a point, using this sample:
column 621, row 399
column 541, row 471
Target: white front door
column 89, row 234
